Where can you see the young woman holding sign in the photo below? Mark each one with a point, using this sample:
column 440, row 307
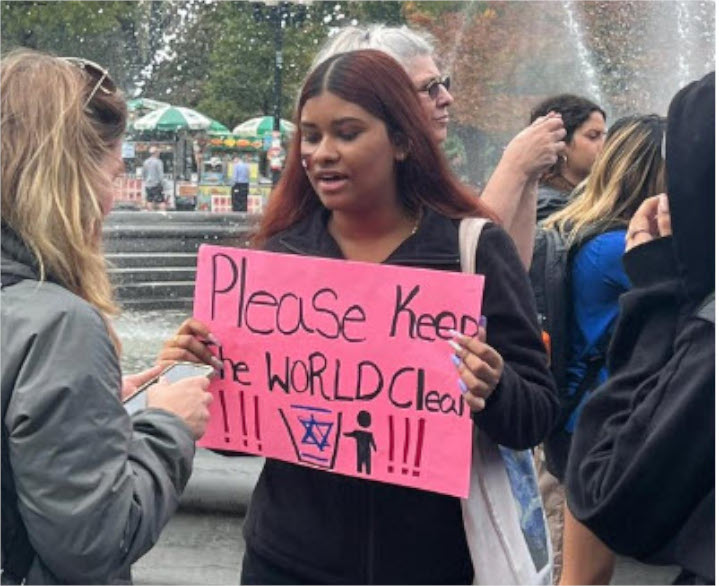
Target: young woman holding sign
column 366, row 182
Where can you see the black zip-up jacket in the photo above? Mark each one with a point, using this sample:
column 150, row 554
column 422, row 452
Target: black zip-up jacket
column 329, row 528
column 641, row 467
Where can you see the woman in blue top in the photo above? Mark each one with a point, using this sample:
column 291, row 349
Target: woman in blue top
column 629, row 170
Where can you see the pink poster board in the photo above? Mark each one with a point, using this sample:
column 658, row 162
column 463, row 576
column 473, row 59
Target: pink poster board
column 338, row 365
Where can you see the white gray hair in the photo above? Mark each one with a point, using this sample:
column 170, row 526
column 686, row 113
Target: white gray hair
column 399, row 42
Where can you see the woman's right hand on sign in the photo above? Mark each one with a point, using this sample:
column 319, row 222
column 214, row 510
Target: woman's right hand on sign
column 191, row 343
column 187, row 398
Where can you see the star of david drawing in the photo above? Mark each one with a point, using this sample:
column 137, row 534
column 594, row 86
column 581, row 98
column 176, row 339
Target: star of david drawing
column 316, row 432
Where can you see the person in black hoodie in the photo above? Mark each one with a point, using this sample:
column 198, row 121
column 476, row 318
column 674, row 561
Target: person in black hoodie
column 641, row 467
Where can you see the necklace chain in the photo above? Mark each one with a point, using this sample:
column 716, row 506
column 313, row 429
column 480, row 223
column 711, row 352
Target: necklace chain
column 416, row 223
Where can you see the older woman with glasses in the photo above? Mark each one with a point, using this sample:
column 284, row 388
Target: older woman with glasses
column 86, row 489
column 511, row 191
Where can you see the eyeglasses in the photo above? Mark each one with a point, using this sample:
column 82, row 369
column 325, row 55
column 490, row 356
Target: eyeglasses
column 96, row 73
column 432, row 86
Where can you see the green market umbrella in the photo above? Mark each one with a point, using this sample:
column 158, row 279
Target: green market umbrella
column 145, row 104
column 174, row 118
column 262, row 125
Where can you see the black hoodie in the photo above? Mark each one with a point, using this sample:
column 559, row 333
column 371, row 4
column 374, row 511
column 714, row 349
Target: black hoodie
column 641, row 467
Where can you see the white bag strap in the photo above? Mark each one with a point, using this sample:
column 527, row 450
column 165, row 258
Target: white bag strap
column 470, row 229
column 499, row 552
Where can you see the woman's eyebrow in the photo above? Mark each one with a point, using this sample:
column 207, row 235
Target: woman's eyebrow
column 334, row 123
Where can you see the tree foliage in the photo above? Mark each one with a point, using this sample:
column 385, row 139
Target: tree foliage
column 217, row 57
column 110, row 33
column 504, row 56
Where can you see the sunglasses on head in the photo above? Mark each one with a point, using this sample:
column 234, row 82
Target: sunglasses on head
column 432, row 86
column 97, row 74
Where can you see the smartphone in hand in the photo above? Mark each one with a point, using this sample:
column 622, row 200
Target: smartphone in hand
column 173, row 373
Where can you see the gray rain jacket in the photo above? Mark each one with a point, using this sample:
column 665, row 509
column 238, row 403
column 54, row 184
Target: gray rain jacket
column 94, row 487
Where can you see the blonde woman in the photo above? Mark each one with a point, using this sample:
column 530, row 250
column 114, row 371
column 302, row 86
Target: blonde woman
column 629, row 170
column 85, row 489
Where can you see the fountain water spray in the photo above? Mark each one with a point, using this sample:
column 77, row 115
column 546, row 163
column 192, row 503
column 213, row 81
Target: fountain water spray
column 585, row 60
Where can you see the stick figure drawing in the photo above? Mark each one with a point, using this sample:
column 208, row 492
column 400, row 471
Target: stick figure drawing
column 365, row 441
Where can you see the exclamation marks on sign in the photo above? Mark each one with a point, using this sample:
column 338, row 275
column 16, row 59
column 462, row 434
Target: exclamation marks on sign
column 249, row 415
column 258, row 437
column 243, row 419
column 390, row 468
column 224, row 415
column 407, row 459
column 407, row 438
column 252, row 418
column 418, row 448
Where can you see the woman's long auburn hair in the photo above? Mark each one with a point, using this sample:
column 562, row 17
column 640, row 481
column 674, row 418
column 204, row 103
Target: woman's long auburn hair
column 53, row 146
column 378, row 84
column 629, row 169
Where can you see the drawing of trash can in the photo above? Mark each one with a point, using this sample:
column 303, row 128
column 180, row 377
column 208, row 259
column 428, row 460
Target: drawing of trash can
column 314, row 433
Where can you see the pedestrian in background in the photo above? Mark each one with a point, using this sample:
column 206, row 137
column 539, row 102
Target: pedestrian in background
column 511, row 191
column 586, row 129
column 365, row 182
column 240, row 184
column 641, row 472
column 85, row 489
column 153, row 174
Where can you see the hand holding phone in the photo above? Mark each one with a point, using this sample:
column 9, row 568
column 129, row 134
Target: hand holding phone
column 182, row 390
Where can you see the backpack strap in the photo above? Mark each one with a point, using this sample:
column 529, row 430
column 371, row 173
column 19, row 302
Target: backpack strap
column 470, row 229
column 17, row 551
column 595, row 362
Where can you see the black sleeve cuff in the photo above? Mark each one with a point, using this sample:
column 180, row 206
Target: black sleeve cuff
column 651, row 263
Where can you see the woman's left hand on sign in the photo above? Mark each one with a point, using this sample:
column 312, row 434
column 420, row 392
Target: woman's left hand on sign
column 132, row 382
column 479, row 366
column 191, row 343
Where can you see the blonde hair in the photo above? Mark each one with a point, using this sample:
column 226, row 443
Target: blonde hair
column 53, row 144
column 629, row 169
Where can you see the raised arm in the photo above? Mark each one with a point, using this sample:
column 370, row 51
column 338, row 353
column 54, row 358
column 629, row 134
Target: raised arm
column 512, row 189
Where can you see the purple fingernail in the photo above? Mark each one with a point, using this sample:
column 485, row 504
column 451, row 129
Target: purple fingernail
column 462, row 386
column 483, row 322
column 455, row 359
